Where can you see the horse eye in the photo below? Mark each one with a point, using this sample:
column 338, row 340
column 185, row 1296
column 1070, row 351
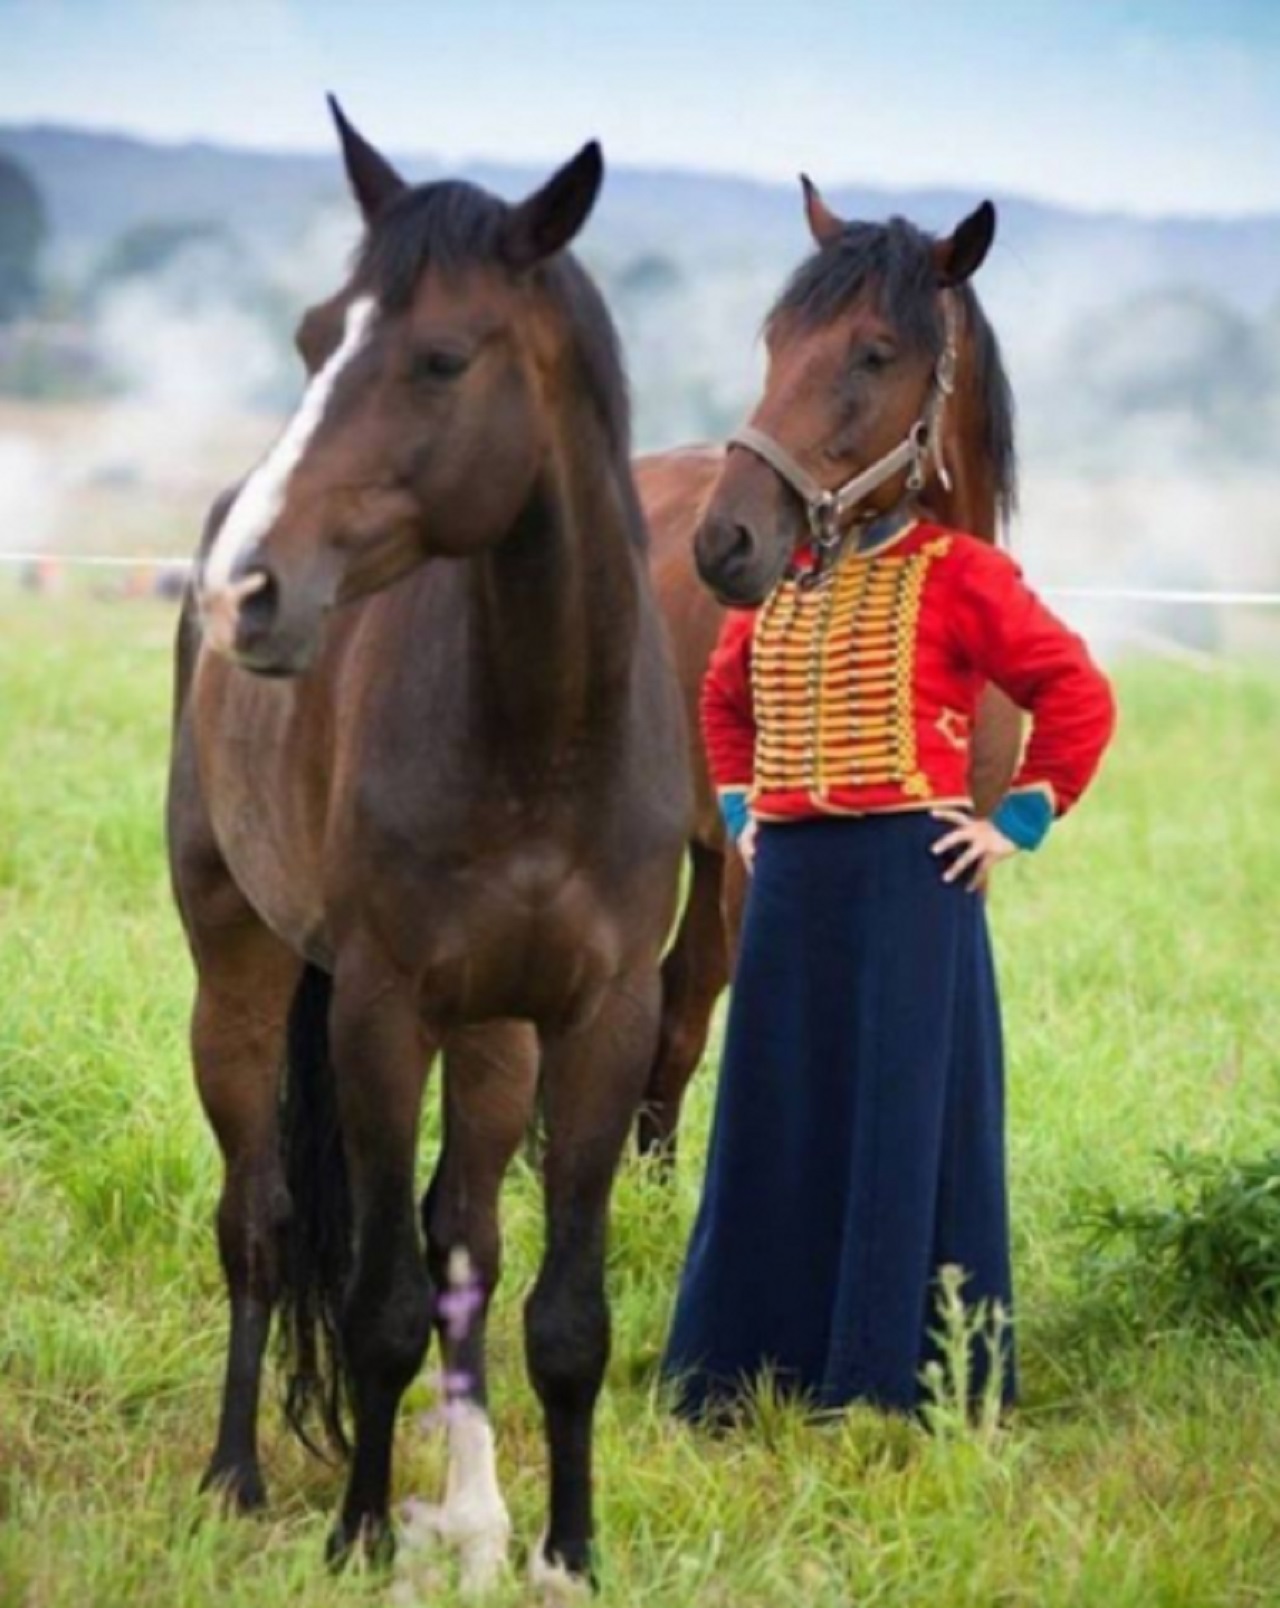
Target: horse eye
column 876, row 358
column 438, row 363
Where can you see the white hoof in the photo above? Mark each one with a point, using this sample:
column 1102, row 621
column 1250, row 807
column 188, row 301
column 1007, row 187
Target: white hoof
column 480, row 1538
column 472, row 1521
column 482, row 1558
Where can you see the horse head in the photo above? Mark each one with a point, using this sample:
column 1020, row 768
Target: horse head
column 884, row 387
column 424, row 424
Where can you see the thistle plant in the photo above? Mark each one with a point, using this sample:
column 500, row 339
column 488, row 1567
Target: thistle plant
column 965, row 1402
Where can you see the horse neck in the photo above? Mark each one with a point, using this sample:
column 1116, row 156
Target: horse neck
column 556, row 602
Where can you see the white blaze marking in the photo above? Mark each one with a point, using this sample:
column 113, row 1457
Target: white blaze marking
column 261, row 497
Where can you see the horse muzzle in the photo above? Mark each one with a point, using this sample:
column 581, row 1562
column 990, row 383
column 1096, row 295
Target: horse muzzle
column 246, row 621
column 737, row 564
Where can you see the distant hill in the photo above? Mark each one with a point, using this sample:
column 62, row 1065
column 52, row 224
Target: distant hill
column 1132, row 343
column 98, row 185
column 1144, row 354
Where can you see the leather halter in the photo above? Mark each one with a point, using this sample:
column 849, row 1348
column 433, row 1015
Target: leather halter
column 827, row 510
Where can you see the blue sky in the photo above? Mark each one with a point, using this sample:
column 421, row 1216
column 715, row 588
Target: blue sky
column 1144, row 105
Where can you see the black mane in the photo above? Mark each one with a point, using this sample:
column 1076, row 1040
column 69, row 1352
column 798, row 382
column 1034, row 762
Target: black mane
column 453, row 225
column 894, row 261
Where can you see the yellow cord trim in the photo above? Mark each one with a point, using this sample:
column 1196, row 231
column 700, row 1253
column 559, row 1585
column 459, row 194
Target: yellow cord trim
column 833, row 677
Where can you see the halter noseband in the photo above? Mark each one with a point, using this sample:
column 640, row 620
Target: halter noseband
column 825, row 509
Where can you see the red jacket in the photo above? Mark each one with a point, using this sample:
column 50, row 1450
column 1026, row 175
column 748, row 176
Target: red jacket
column 857, row 694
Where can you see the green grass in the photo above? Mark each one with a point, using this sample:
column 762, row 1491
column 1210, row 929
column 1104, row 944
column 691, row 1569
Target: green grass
column 1138, row 961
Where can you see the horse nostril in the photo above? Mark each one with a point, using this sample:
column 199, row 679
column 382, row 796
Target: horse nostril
column 259, row 604
column 740, row 543
column 725, row 546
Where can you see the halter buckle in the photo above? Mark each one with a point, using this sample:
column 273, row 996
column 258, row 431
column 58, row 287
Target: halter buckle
column 920, row 436
column 824, row 520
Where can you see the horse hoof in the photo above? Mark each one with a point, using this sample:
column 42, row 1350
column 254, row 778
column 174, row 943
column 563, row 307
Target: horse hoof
column 239, row 1486
column 374, row 1537
column 562, row 1579
column 338, row 1548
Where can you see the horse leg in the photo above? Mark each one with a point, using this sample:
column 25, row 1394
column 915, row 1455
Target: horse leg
column 693, row 975
column 381, row 1054
column 593, row 1078
column 490, row 1077
column 246, row 982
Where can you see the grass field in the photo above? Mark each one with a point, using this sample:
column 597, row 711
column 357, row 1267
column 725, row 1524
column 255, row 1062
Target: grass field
column 1139, row 968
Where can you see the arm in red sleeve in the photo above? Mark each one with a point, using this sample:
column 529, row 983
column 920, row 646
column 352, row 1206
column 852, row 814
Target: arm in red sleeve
column 728, row 718
column 1010, row 637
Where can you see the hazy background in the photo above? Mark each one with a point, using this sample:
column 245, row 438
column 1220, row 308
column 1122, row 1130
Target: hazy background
column 171, row 198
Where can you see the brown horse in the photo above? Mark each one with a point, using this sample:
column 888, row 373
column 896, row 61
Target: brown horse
column 461, row 830
column 846, row 381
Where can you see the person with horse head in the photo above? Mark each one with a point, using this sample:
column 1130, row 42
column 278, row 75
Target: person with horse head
column 858, row 1139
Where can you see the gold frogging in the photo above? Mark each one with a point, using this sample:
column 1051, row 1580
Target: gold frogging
column 833, row 669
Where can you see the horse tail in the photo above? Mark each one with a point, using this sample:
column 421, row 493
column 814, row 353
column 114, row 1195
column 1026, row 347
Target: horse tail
column 317, row 1256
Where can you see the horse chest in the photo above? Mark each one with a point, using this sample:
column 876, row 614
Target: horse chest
column 524, row 931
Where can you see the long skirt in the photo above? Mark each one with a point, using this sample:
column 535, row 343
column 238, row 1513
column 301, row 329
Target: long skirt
column 858, row 1138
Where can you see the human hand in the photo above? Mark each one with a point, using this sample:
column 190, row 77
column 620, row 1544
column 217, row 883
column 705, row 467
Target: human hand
column 746, row 845
column 977, row 846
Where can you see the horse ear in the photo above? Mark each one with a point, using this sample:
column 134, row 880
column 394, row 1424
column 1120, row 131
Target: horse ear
column 547, row 220
column 961, row 254
column 824, row 226
column 373, row 180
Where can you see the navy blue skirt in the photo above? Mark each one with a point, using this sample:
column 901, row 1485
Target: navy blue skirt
column 858, row 1139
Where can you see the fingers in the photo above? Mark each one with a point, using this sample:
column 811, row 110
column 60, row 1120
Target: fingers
column 957, row 817
column 980, row 881
column 980, row 848
column 974, row 855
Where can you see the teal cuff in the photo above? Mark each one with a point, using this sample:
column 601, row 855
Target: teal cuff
column 737, row 816
column 1024, row 818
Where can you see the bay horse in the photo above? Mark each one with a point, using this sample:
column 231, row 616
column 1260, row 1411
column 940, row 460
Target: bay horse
column 853, row 340
column 459, row 830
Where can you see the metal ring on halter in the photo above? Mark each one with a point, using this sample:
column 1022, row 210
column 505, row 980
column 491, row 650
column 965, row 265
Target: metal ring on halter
column 824, row 519
column 919, row 439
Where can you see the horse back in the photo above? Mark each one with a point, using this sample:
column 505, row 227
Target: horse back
column 674, row 489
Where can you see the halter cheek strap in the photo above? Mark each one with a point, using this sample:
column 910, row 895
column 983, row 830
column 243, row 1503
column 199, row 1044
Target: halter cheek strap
column 827, row 509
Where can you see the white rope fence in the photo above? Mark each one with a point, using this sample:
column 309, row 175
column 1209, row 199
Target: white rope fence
column 1084, row 594
column 1161, row 594
column 1205, row 597
column 97, row 560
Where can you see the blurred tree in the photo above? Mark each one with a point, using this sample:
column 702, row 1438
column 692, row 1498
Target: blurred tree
column 24, row 227
column 150, row 248
column 1191, row 367
column 651, row 274
column 1271, row 343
